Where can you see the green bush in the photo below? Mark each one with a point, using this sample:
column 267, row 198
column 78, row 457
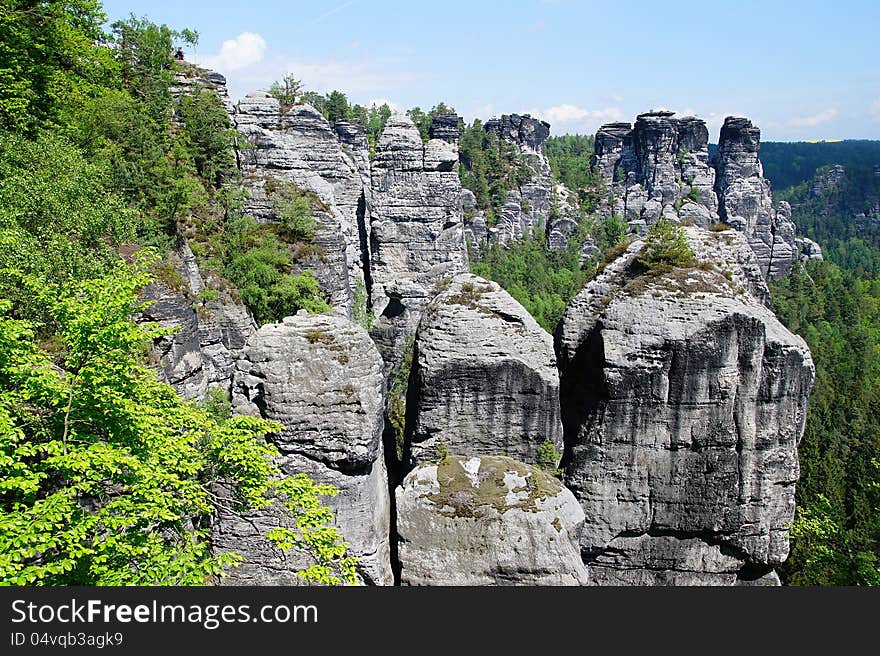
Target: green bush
column 665, row 244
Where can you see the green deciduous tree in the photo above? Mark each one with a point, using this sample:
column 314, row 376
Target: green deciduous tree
column 51, row 59
column 108, row 477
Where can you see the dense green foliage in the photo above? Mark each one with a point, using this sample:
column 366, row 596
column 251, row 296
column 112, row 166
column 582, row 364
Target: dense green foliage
column 106, row 475
column 51, row 60
column 543, row 281
column 836, row 537
column 569, row 156
column 843, row 218
column 788, row 164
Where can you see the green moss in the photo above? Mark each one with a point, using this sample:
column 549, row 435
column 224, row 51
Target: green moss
column 319, row 337
column 458, row 497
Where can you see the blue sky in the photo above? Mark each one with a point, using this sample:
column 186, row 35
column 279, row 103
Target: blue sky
column 799, row 69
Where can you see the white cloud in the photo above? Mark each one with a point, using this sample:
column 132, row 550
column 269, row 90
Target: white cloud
column 351, row 76
column 816, row 119
column 571, row 118
column 247, row 49
column 378, row 102
column 875, row 110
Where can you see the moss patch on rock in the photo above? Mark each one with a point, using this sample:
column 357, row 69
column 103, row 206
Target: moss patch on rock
column 460, row 496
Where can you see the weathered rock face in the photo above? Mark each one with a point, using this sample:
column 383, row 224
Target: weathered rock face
column 809, row 250
column 193, row 78
column 300, row 147
column 446, row 127
column 487, row 521
column 528, row 132
column 683, row 401
column 537, row 203
column 661, row 168
column 484, row 378
column 745, row 201
column 210, row 334
column 658, row 167
column 417, row 236
column 321, row 377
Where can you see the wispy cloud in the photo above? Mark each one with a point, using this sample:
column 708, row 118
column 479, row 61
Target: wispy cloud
column 816, row 119
column 875, row 110
column 328, row 14
column 571, row 118
column 350, row 75
column 378, row 102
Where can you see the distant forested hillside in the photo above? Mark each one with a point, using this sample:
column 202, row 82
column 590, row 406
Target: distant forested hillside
column 789, row 164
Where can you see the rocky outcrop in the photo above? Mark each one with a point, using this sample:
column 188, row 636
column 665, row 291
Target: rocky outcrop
column 660, row 167
column 683, row 401
column 300, row 148
column 189, row 78
column 417, row 237
column 446, row 127
column 209, row 334
column 321, row 377
column 827, row 180
column 487, row 521
column 745, row 201
column 657, row 167
column 484, row 378
column 808, row 250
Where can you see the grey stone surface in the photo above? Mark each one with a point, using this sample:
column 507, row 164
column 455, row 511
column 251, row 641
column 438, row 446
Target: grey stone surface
column 209, row 337
column 655, row 167
column 484, row 378
column 417, row 234
column 683, row 401
column 302, row 148
column 660, row 167
column 321, row 377
column 487, row 521
column 745, row 200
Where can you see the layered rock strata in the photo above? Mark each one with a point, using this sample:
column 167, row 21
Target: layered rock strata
column 487, row 521
column 299, row 147
column 683, row 401
column 745, row 201
column 484, row 378
column 209, row 334
column 416, row 236
column 538, row 203
column 660, row 167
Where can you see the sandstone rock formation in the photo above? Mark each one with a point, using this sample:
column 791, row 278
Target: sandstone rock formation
column 417, row 236
column 745, row 201
column 209, row 337
column 299, row 147
column 321, row 377
column 537, row 203
column 487, row 521
column 660, row 167
column 484, row 378
column 683, row 401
